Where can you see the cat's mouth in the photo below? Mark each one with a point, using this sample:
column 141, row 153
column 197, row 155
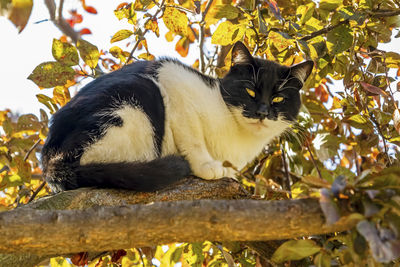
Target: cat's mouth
column 259, row 124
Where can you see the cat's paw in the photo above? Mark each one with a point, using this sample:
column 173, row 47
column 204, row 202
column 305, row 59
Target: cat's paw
column 213, row 170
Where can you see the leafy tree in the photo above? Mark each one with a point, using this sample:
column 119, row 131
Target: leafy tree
column 344, row 149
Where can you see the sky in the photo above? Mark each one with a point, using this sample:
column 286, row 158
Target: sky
column 21, row 53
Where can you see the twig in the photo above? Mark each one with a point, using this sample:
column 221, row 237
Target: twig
column 324, row 30
column 141, row 256
column 313, row 160
column 31, row 149
column 382, row 136
column 37, row 191
column 287, row 177
column 373, row 14
column 141, row 38
column 358, row 168
column 201, row 35
column 59, row 21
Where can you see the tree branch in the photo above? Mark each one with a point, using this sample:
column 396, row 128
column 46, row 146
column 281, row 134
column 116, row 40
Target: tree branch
column 201, row 36
column 59, row 21
column 193, row 210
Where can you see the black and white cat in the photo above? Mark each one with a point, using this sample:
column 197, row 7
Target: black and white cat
column 152, row 123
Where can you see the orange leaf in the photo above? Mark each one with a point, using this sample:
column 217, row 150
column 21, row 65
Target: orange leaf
column 85, row 31
column 372, row 90
column 90, row 9
column 182, row 47
column 122, row 5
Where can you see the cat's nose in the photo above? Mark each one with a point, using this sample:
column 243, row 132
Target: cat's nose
column 262, row 111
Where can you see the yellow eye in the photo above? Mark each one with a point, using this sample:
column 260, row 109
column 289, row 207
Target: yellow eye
column 277, row 99
column 251, row 92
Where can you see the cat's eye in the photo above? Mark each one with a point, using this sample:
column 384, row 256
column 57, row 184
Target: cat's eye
column 278, row 99
column 251, row 92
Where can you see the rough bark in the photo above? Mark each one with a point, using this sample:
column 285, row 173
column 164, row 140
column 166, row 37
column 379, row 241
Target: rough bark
column 104, row 220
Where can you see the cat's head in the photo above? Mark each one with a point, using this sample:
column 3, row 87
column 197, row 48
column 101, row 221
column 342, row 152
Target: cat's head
column 261, row 91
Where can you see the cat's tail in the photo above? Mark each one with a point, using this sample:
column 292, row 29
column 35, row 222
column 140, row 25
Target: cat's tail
column 138, row 176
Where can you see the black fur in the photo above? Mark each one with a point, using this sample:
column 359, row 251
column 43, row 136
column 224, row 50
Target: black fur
column 265, row 78
column 79, row 124
column 82, row 121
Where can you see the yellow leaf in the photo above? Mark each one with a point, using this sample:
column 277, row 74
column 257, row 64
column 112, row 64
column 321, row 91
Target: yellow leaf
column 20, row 12
column 89, row 53
column 153, row 26
column 175, row 20
column 146, row 56
column 121, row 35
column 228, row 33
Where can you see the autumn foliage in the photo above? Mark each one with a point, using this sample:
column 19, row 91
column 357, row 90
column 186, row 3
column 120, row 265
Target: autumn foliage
column 344, row 149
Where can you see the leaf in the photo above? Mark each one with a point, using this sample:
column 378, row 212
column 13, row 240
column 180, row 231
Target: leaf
column 50, row 74
column 85, row 31
column 228, row 33
column 396, row 119
column 315, row 181
column 146, row 56
column 306, row 12
column 28, row 122
column 392, row 59
column 225, row 11
column 280, row 40
column 182, row 46
column 372, row 90
column 90, row 9
column 273, row 6
column 65, row 53
column 339, row 40
column 61, row 95
column 175, row 20
column 330, row 5
column 121, row 35
column 295, row 250
column 153, row 26
column 48, row 102
column 119, row 53
column 20, row 12
column 89, row 53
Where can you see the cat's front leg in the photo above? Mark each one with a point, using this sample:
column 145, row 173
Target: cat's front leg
column 204, row 166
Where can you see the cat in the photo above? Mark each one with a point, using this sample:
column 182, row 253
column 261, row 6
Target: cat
column 152, row 123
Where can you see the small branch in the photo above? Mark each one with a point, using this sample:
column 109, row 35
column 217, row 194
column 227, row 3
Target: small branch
column 383, row 13
column 160, row 8
column 324, row 30
column 32, row 197
column 313, row 160
column 201, row 36
column 59, row 21
column 31, row 149
column 378, row 127
column 373, row 14
column 287, row 177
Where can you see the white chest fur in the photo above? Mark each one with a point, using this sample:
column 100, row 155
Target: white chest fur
column 198, row 118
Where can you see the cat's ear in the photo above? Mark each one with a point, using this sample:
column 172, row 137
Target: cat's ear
column 302, row 70
column 241, row 55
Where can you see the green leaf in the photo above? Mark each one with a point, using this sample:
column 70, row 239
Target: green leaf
column 89, row 53
column 65, row 53
column 226, row 11
column 228, row 33
column 295, row 250
column 48, row 102
column 392, row 59
column 176, row 21
column 306, row 12
column 121, row 35
column 339, row 39
column 50, row 74
column 330, row 4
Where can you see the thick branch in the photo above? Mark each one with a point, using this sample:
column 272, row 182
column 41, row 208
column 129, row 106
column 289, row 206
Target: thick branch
column 27, row 230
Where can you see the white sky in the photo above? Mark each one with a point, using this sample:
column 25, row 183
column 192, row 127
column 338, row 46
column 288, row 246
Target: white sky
column 21, row 53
